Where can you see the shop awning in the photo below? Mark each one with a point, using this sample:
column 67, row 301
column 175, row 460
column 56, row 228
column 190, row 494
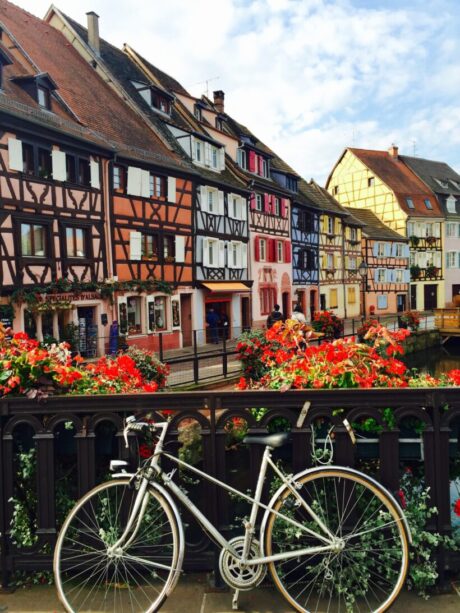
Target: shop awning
column 226, row 287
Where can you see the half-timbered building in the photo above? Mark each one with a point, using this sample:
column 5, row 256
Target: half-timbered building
column 219, row 200
column 146, row 196
column 386, row 253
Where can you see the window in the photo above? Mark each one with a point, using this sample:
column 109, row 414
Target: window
column 381, row 275
column 233, row 258
column 157, row 186
column 36, row 161
column 330, row 261
column 398, row 275
column 335, row 190
column 237, row 207
column 410, row 228
column 242, row 158
column 443, row 184
column 380, row 250
column 277, row 206
column 451, row 204
column 330, row 225
column 451, row 230
column 160, row 102
column 353, row 234
column 382, row 301
column 33, row 240
column 267, row 300
column 150, row 246
column 197, row 112
column 198, row 151
column 134, row 315
column 212, row 204
column 305, row 221
column 264, row 168
column 307, row 259
column 258, row 202
column 214, row 157
column 263, row 249
column 429, row 229
column 352, row 263
column 370, row 181
column 410, row 203
column 45, row 166
column 75, row 242
column 399, row 250
column 351, row 295
column 452, row 259
column 428, row 204
column 84, row 176
column 279, row 251
column 119, row 179
column 291, row 184
column 169, row 250
column 160, row 313
column 333, row 299
column 43, row 97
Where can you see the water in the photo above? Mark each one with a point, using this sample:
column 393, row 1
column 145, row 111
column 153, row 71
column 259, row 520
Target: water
column 436, row 360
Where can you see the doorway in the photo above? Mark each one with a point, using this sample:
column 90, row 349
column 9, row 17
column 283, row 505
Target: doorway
column 87, row 331
column 455, row 292
column 222, row 308
column 186, row 319
column 313, row 305
column 245, row 313
column 413, row 297
column 286, row 307
column 401, row 302
column 322, row 302
column 431, row 297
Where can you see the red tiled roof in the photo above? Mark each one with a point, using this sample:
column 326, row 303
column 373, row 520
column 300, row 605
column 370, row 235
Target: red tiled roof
column 92, row 100
column 399, row 178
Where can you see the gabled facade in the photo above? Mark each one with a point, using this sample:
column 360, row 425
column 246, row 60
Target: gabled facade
column 380, row 181
column 218, row 200
column 386, row 253
column 445, row 184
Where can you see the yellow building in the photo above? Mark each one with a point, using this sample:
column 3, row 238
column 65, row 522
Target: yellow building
column 381, row 182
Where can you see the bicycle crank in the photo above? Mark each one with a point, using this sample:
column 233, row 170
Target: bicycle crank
column 237, row 575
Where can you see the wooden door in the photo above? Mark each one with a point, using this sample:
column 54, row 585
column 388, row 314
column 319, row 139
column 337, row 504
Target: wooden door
column 431, row 297
column 413, row 296
column 245, row 313
column 186, row 319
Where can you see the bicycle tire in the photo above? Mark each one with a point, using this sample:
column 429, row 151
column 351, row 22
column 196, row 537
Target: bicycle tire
column 368, row 574
column 89, row 579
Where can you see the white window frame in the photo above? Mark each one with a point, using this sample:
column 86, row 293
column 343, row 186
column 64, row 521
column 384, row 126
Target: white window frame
column 352, row 263
column 452, row 259
column 380, row 250
column 259, row 202
column 451, row 204
column 330, row 261
column 277, row 206
column 242, row 158
column 451, row 229
column 263, row 249
column 399, row 251
column 280, row 252
column 381, row 275
column 398, row 275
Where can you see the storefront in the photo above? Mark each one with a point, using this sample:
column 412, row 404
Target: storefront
column 230, row 303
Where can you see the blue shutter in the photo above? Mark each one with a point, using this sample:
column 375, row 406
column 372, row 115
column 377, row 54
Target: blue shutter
column 387, row 250
column 406, row 251
column 376, row 250
column 376, row 275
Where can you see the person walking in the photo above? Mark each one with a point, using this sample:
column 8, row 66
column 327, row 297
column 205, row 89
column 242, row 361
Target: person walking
column 274, row 316
column 212, row 319
column 225, row 324
column 113, row 337
column 298, row 315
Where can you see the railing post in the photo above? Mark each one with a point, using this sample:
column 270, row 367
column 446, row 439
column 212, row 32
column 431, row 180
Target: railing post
column 160, row 346
column 353, row 326
column 196, row 374
column 389, row 459
column 3, row 539
column 224, row 355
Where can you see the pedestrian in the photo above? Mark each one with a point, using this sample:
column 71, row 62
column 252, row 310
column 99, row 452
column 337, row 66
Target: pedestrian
column 212, row 319
column 113, row 337
column 274, row 316
column 298, row 315
column 225, row 324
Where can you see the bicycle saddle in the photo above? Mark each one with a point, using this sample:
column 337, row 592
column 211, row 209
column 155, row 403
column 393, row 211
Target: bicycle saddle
column 272, row 440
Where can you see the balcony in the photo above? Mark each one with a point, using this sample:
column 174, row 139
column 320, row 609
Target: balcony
column 425, row 243
column 430, row 273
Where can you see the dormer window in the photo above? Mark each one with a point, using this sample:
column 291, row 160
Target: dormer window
column 43, row 97
column 156, row 98
column 197, row 112
column 219, row 124
column 451, row 204
column 5, row 60
column 242, row 158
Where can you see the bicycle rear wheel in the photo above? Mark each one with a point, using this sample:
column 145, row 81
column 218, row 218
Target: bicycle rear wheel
column 368, row 572
column 136, row 578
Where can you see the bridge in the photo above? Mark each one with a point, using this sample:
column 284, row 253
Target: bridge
column 448, row 322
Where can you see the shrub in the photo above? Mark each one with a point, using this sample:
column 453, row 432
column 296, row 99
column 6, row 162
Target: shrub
column 150, row 367
column 251, row 347
column 411, row 319
column 328, row 324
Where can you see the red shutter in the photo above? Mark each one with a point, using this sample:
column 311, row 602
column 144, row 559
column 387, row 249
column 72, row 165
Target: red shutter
column 257, row 249
column 283, row 207
column 267, row 204
column 260, row 161
column 252, row 161
column 271, row 250
column 287, row 252
column 253, row 201
column 272, row 204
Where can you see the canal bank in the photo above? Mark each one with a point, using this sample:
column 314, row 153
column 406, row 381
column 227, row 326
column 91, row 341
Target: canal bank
column 433, row 358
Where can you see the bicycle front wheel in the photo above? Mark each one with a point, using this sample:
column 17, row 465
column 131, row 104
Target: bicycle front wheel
column 367, row 572
column 137, row 576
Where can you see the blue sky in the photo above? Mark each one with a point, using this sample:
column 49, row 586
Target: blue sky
column 309, row 77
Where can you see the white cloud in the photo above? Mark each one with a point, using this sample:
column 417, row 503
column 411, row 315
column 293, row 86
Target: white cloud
column 307, row 76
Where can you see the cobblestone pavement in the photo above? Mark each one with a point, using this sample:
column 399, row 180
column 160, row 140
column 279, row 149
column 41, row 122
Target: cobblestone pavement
column 194, row 595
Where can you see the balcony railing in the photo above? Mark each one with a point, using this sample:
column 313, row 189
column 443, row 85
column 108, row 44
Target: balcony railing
column 425, row 243
column 430, row 273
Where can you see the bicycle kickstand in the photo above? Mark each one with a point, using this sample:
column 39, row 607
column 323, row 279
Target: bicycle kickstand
column 236, row 594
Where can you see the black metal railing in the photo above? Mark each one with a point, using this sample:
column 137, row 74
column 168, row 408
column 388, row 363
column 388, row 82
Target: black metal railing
column 74, row 438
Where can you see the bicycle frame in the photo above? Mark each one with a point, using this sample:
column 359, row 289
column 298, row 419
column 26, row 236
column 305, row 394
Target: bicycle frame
column 331, row 542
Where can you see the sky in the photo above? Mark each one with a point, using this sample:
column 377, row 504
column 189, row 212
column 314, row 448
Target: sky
column 308, row 77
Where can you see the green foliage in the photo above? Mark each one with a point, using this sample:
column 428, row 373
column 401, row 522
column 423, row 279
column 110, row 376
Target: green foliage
column 251, row 347
column 149, row 365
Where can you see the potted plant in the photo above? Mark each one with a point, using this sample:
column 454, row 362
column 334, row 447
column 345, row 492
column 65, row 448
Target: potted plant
column 414, row 240
column 415, row 271
column 328, row 324
column 431, row 271
column 431, row 240
column 410, row 319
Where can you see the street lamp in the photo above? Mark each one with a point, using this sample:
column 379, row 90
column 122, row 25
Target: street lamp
column 362, row 269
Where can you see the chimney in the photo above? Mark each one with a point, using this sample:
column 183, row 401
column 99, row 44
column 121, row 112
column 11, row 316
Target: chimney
column 93, row 32
column 393, row 151
column 219, row 97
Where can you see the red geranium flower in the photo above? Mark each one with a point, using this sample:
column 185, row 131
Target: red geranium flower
column 457, row 507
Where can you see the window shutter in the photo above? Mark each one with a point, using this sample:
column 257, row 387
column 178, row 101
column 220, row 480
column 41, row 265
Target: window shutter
column 208, row 154
column 135, row 245
column 171, row 189
column 15, row 161
column 387, row 249
column 148, row 301
column 145, row 184
column 252, row 161
column 375, row 250
column 267, row 204
column 221, row 254
column 337, row 262
column 271, row 245
column 287, row 252
column 221, row 155
column 244, row 255
column 437, row 230
column 257, row 249
column 244, row 208
column 376, row 275
column 406, row 275
column 58, row 160
column 347, row 262
column 253, row 199
column 347, row 232
column 134, row 181
column 260, row 165
column 406, row 251
column 94, row 173
column 323, row 261
column 220, row 200
column 180, row 248
column 203, row 198
column 206, row 252
column 283, row 207
column 389, row 276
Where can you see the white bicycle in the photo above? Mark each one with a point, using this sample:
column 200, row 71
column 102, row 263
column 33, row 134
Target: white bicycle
column 332, row 538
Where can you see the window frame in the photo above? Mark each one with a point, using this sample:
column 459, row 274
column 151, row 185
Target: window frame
column 168, row 247
column 156, row 180
column 140, row 325
column 410, row 203
column 330, row 225
column 428, row 204
column 262, row 248
column 122, row 179
column 46, row 242
column 259, row 203
column 277, row 206
column 370, row 181
column 279, row 252
column 242, row 158
column 85, row 238
column 153, row 238
column 46, row 97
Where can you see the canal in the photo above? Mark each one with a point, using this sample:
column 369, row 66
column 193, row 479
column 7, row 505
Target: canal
column 436, row 360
